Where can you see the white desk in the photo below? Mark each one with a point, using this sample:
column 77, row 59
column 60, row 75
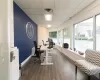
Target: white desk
column 47, row 58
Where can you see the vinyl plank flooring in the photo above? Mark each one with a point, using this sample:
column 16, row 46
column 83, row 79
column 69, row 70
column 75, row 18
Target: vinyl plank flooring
column 57, row 71
column 62, row 69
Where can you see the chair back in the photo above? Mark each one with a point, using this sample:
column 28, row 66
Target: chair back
column 35, row 44
column 65, row 45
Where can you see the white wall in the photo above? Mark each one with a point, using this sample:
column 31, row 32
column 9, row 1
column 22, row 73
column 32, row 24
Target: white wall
column 86, row 13
column 42, row 34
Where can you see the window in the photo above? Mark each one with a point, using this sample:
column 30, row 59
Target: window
column 66, row 38
column 98, row 32
column 60, row 37
column 53, row 36
column 84, row 35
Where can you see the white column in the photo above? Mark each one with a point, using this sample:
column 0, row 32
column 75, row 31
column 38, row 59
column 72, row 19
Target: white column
column 6, row 41
column 94, row 32
column 57, row 38
column 73, row 37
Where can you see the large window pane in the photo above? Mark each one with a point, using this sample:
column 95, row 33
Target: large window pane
column 53, row 36
column 60, row 37
column 66, row 38
column 98, row 32
column 84, row 35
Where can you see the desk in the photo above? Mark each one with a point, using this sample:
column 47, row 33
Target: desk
column 47, row 58
column 83, row 67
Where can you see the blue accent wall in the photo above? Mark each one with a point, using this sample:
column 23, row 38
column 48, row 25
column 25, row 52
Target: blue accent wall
column 21, row 39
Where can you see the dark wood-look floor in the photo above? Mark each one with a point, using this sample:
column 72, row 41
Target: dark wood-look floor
column 62, row 69
column 58, row 71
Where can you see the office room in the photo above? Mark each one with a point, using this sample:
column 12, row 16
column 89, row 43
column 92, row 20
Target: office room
column 50, row 40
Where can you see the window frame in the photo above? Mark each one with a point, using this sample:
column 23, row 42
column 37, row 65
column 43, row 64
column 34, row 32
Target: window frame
column 94, row 32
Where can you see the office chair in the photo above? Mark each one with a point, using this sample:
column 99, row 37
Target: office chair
column 44, row 43
column 51, row 43
column 37, row 50
column 65, row 45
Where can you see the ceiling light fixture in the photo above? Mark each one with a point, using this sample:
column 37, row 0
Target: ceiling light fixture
column 49, row 26
column 48, row 17
column 48, row 14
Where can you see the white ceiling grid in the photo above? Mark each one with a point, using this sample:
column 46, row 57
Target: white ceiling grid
column 62, row 9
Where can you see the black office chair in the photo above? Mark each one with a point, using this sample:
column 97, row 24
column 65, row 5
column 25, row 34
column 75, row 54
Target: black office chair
column 65, row 45
column 44, row 43
column 51, row 43
column 37, row 50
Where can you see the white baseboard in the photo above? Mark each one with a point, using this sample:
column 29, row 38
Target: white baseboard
column 25, row 61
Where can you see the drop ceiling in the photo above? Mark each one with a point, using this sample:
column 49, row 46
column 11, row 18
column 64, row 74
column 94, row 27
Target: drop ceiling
column 62, row 9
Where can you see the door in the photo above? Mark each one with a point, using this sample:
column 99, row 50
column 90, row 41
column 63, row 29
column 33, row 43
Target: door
column 6, row 8
column 14, row 63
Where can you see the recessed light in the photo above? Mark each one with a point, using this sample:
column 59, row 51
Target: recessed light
column 49, row 26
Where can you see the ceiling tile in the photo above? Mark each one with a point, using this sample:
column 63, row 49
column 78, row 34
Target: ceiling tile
column 62, row 9
column 48, row 3
column 82, row 5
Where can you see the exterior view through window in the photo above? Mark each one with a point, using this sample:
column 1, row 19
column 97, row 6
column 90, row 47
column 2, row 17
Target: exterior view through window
column 98, row 32
column 66, row 38
column 84, row 35
column 60, row 37
column 53, row 36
